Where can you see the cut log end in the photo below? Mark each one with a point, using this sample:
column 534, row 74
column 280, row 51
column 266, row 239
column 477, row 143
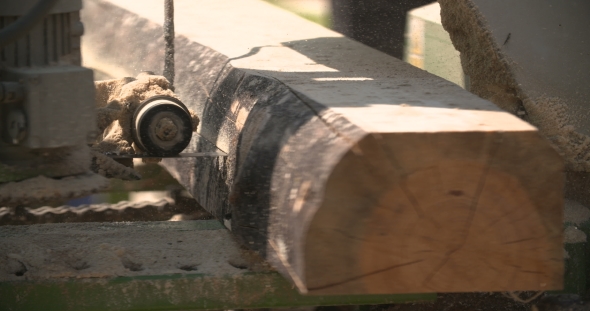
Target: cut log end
column 458, row 213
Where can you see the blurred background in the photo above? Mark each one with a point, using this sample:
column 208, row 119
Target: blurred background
column 317, row 11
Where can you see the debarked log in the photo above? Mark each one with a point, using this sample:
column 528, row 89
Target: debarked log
column 351, row 171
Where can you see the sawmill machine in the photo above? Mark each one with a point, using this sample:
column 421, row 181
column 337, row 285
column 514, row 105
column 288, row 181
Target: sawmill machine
column 47, row 113
column 47, row 98
column 472, row 210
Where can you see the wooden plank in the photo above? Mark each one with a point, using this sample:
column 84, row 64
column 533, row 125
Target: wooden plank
column 201, row 289
column 351, row 171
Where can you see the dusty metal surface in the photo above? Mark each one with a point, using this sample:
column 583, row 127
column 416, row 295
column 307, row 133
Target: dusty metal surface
column 222, row 275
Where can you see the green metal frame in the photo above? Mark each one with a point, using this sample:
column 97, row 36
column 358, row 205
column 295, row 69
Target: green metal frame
column 187, row 291
column 577, row 265
column 175, row 292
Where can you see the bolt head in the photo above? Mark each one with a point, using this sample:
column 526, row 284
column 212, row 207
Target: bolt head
column 16, row 126
column 166, row 129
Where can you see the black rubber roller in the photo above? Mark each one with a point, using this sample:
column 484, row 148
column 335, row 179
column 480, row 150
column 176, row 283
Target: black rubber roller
column 162, row 126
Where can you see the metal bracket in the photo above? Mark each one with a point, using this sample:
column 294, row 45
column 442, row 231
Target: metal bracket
column 180, row 155
column 199, row 146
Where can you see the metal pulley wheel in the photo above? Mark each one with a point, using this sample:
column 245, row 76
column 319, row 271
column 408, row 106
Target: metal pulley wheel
column 162, row 126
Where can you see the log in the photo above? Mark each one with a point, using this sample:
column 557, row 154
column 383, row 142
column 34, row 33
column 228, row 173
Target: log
column 350, row 171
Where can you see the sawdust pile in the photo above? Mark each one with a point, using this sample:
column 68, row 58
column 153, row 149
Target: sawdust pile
column 108, row 167
column 51, row 174
column 41, row 189
column 118, row 249
column 488, row 70
column 492, row 79
column 573, row 235
column 575, row 213
column 116, row 101
column 56, row 162
column 550, row 115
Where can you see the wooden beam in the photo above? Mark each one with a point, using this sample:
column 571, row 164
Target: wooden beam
column 351, row 171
